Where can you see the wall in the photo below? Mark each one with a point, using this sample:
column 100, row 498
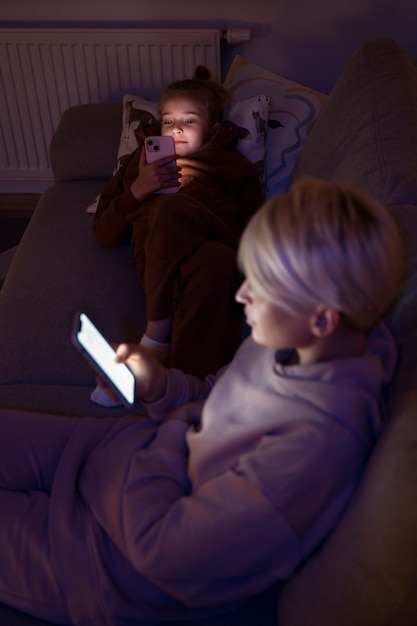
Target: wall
column 305, row 40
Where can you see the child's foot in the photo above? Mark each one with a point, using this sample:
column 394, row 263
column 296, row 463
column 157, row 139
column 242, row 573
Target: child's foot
column 101, row 396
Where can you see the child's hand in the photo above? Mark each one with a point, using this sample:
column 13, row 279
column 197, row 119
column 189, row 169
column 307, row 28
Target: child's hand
column 154, row 176
column 150, row 375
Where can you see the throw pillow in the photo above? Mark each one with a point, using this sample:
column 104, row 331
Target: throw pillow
column 136, row 111
column 294, row 109
column 250, row 118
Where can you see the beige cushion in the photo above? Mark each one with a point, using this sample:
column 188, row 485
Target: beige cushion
column 293, row 113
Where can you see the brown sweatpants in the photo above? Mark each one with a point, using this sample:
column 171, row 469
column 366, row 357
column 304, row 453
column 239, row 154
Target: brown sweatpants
column 207, row 320
column 186, row 260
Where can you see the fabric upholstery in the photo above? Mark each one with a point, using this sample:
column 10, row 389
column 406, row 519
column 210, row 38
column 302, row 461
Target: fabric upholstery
column 68, row 271
column 366, row 572
column 84, row 145
column 366, row 134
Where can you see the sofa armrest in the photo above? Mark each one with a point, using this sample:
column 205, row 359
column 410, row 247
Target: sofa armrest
column 85, row 143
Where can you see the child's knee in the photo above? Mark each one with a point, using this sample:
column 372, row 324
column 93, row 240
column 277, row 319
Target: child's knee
column 216, row 264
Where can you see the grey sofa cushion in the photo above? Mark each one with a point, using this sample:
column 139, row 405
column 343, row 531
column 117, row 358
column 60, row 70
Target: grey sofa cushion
column 85, row 144
column 60, row 267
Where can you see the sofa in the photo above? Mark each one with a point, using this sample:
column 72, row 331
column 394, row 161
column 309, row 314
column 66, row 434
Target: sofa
column 365, row 572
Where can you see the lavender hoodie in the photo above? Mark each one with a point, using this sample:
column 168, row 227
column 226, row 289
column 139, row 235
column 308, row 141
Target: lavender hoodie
column 155, row 522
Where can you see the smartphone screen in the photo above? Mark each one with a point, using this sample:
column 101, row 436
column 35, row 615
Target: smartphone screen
column 157, row 147
column 101, row 356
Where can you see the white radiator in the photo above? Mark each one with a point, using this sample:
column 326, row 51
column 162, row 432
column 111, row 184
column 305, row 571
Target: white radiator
column 44, row 71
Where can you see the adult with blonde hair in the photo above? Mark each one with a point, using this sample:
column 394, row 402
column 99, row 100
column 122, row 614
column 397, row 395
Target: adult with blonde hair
column 232, row 481
column 320, row 249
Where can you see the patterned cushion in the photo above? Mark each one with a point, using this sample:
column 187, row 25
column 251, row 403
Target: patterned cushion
column 294, row 109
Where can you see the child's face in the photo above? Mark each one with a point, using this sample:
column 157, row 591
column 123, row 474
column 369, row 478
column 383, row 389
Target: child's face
column 186, row 120
column 273, row 326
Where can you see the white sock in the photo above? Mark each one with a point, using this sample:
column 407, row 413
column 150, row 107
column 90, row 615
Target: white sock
column 157, row 348
column 147, row 341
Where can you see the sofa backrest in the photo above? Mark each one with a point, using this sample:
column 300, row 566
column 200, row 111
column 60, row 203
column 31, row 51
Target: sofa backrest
column 365, row 573
column 90, row 152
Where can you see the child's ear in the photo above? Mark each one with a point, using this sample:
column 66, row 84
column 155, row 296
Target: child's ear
column 324, row 321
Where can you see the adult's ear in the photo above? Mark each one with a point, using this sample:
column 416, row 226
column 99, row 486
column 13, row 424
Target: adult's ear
column 324, row 321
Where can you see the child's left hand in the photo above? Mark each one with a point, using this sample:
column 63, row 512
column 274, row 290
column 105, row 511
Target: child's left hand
column 154, row 176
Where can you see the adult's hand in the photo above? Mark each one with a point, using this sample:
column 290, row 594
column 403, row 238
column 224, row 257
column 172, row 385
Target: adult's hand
column 149, row 374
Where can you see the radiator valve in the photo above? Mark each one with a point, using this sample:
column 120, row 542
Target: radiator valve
column 236, row 35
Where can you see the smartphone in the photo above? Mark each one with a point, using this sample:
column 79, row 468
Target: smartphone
column 100, row 354
column 157, row 147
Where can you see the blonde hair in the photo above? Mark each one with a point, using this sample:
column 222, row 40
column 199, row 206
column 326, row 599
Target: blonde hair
column 212, row 95
column 324, row 244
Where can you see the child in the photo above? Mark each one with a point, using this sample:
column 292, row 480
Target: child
column 185, row 243
column 124, row 520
